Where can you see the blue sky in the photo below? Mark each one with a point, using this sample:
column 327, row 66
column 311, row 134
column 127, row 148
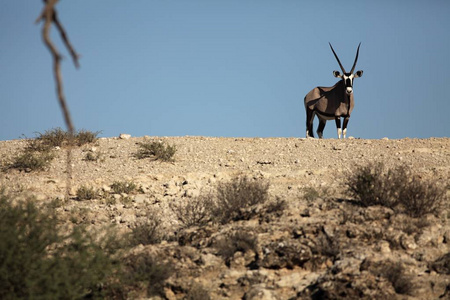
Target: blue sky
column 227, row 68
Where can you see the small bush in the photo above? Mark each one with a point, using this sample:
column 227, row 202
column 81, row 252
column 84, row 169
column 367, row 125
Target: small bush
column 32, row 161
column 147, row 232
column 419, row 197
column 276, row 207
column 127, row 187
column 395, row 273
column 58, row 137
column 83, row 137
column 238, row 194
column 38, row 262
column 398, row 188
column 310, row 194
column 86, row 193
column 373, row 185
column 239, row 240
column 144, row 270
column 193, row 212
column 442, row 264
column 156, row 151
column 92, row 156
column 53, row 138
column 197, row 292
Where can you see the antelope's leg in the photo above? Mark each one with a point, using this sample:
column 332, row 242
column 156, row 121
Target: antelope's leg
column 338, row 126
column 321, row 127
column 344, row 131
column 309, row 122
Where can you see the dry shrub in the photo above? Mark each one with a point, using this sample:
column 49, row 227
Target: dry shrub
column 310, row 194
column 120, row 187
column 83, row 137
column 193, row 212
column 419, row 197
column 238, row 194
column 86, row 193
column 156, row 151
column 373, row 185
column 146, row 271
column 58, row 137
column 147, row 232
column 32, row 161
column 398, row 188
column 442, row 264
column 91, row 156
column 239, row 240
column 395, row 273
column 276, row 207
column 197, row 292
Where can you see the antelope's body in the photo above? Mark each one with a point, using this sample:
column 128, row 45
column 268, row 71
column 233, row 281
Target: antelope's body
column 330, row 103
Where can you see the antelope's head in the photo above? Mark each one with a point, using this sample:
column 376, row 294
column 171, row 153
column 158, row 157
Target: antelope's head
column 347, row 77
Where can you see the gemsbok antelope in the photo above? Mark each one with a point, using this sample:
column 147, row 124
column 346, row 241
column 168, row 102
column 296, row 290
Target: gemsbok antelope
column 334, row 102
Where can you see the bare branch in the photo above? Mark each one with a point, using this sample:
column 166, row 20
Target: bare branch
column 65, row 38
column 49, row 16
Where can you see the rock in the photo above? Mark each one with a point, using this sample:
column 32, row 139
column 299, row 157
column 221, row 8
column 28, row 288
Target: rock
column 285, row 253
column 259, row 293
column 191, row 193
column 141, row 198
column 124, row 136
column 442, row 264
column 383, row 247
column 407, row 242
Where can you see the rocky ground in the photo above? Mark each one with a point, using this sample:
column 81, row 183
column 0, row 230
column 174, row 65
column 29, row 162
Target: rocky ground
column 320, row 246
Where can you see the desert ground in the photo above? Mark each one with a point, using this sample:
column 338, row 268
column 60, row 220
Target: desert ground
column 321, row 245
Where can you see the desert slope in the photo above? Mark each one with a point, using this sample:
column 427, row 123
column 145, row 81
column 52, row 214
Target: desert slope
column 365, row 240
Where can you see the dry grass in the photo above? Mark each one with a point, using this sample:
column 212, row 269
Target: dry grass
column 86, row 193
column 127, row 187
column 156, row 151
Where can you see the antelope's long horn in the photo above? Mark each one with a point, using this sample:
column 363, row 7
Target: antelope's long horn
column 335, row 55
column 356, row 59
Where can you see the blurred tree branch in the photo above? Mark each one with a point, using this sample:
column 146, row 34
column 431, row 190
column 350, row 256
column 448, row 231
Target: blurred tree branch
column 49, row 16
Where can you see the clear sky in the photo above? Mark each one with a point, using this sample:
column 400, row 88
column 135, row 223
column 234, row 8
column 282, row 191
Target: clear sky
column 232, row 68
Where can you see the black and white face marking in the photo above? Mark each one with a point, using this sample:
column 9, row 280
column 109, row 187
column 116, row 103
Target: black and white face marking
column 348, row 79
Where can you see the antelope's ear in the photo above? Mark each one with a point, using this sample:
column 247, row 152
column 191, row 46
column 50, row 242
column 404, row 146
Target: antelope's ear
column 359, row 73
column 337, row 74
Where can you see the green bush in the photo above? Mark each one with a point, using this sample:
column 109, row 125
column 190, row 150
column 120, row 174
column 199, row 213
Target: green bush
column 156, row 151
column 239, row 194
column 38, row 262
